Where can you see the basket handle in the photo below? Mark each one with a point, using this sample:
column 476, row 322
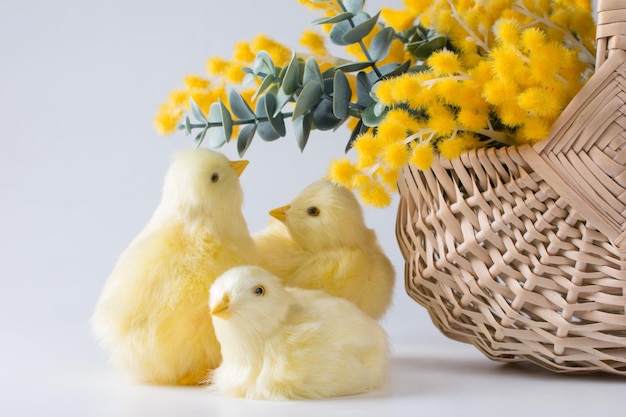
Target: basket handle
column 610, row 29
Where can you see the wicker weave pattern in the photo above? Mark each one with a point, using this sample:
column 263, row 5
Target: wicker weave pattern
column 611, row 28
column 586, row 163
column 502, row 262
column 522, row 251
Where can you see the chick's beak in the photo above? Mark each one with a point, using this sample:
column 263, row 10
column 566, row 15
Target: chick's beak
column 280, row 213
column 221, row 308
column 238, row 166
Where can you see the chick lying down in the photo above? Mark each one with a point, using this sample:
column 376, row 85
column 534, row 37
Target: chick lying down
column 281, row 343
column 320, row 242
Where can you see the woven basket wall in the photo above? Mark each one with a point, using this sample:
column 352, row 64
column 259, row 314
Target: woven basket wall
column 522, row 251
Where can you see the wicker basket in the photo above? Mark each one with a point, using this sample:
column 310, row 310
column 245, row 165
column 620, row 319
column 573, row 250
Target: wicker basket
column 522, row 251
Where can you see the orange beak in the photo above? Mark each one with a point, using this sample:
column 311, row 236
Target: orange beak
column 280, row 213
column 221, row 308
column 238, row 166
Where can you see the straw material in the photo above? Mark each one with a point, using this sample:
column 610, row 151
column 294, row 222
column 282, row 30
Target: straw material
column 522, row 251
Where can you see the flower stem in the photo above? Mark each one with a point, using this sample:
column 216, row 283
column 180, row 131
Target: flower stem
column 479, row 41
column 586, row 54
column 368, row 57
column 209, row 125
column 496, row 136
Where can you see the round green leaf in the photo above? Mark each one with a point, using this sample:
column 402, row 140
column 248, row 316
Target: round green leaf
column 334, row 19
column 264, row 129
column 187, row 125
column 227, row 120
column 196, row 111
column 302, row 129
column 323, row 117
column 328, row 85
column 358, row 129
column 238, row 106
column 340, row 29
column 363, row 88
column 263, row 64
column 361, row 30
column 281, row 100
column 267, row 81
column 422, row 50
column 267, row 132
column 220, row 134
column 291, row 77
column 354, row 66
column 381, row 43
column 248, row 79
column 341, row 95
column 311, row 71
column 371, row 116
column 200, row 137
column 276, row 120
column 309, row 97
column 246, row 134
column 354, row 6
column 393, row 70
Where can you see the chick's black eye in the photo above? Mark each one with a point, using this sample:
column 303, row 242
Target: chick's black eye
column 215, row 177
column 313, row 211
column 260, row 290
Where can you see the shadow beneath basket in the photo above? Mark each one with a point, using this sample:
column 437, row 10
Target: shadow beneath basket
column 529, row 369
column 435, row 375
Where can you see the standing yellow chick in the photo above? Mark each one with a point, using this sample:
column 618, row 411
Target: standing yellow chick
column 325, row 244
column 283, row 343
column 152, row 313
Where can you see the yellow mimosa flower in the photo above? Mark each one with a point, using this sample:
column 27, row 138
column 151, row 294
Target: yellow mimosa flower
column 374, row 194
column 216, row 65
column 441, row 119
column 196, row 82
column 538, row 101
column 534, row 129
column 178, row 98
column 243, row 52
column 367, row 147
column 400, row 20
column 342, row 171
column 444, row 62
column 389, row 132
column 313, row 41
column 422, row 155
column 452, row 147
column 167, row 118
column 396, row 154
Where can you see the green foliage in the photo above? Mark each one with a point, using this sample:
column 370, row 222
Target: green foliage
column 317, row 100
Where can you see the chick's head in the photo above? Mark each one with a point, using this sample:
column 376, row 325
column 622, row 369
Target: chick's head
column 250, row 299
column 324, row 215
column 202, row 182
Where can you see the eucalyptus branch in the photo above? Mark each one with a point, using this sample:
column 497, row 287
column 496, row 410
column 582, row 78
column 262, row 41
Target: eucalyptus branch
column 237, row 122
column 368, row 57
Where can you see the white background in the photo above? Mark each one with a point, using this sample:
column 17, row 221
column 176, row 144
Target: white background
column 81, row 171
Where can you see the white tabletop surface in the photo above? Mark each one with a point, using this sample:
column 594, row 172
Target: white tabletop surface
column 81, row 171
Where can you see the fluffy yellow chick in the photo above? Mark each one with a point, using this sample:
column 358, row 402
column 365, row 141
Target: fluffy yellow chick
column 283, row 343
column 323, row 243
column 152, row 313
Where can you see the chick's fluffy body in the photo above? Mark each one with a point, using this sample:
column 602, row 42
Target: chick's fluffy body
column 152, row 313
column 292, row 343
column 323, row 243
